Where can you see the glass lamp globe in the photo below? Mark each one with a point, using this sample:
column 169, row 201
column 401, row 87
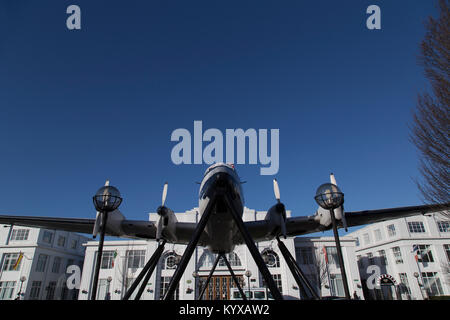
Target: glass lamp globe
column 107, row 199
column 329, row 196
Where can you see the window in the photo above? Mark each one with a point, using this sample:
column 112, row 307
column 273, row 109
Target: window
column 47, row 237
column 35, row 290
column 171, row 261
column 279, row 284
column 370, row 258
column 366, row 238
column 357, row 241
column 135, row 258
column 305, row 255
column 332, row 255
column 404, row 283
column 56, row 264
column 397, row 255
column 69, row 263
column 19, row 234
column 103, row 289
column 424, row 253
column 165, row 281
column 7, row 289
column 232, row 258
column 432, row 283
column 391, row 230
column 73, row 244
column 11, row 262
column 41, row 263
column 51, row 290
column 416, row 227
column 271, row 259
column 443, row 226
column 277, row 279
column 360, row 262
column 383, row 258
column 337, row 285
column 107, row 260
column 61, row 241
column 377, row 233
column 447, row 251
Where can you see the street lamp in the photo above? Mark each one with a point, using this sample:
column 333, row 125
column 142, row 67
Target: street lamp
column 22, row 280
column 195, row 275
column 106, row 199
column 248, row 274
column 108, row 293
column 330, row 197
column 416, row 275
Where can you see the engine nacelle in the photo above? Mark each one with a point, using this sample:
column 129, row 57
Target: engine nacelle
column 113, row 223
column 323, row 216
column 166, row 225
column 275, row 218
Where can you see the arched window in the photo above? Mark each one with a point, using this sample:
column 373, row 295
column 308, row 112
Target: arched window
column 233, row 259
column 207, row 260
column 171, row 260
column 271, row 258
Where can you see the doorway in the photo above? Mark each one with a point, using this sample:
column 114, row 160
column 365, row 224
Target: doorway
column 219, row 287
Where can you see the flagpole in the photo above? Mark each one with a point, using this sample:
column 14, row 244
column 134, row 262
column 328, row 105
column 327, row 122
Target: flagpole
column 416, row 257
column 328, row 270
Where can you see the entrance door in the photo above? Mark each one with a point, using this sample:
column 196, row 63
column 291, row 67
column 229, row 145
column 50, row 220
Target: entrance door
column 219, row 287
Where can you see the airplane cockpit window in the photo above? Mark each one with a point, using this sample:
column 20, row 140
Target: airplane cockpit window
column 220, row 164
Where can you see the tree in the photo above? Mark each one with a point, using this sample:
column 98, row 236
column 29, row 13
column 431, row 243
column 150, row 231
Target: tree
column 430, row 131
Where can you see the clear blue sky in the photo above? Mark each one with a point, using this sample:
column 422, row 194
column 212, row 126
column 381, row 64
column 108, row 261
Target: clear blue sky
column 79, row 107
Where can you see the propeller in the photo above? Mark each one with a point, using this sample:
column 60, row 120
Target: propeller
column 280, row 207
column 162, row 211
column 98, row 217
column 164, row 194
column 340, row 211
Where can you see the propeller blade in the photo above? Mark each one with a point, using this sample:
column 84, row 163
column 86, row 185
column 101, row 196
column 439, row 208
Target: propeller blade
column 164, row 195
column 276, row 190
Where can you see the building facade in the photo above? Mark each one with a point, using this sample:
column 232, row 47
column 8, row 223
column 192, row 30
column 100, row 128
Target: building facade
column 406, row 258
column 122, row 261
column 34, row 262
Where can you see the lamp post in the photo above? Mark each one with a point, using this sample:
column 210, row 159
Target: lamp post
column 106, row 199
column 330, row 197
column 416, row 275
column 195, row 275
column 248, row 274
column 22, row 280
column 108, row 293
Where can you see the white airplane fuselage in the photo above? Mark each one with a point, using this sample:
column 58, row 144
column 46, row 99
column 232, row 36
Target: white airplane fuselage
column 221, row 229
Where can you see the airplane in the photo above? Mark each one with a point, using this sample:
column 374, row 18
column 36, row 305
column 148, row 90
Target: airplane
column 220, row 227
column 221, row 234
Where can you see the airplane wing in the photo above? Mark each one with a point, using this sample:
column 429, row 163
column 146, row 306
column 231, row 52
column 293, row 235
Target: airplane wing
column 296, row 226
column 129, row 228
column 134, row 229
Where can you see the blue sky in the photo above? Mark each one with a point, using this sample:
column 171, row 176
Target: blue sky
column 82, row 106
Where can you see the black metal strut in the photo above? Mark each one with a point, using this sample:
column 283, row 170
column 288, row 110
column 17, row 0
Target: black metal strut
column 254, row 251
column 297, row 273
column 248, row 241
column 147, row 271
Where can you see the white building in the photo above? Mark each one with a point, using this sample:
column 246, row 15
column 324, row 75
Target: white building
column 123, row 260
column 317, row 257
column 390, row 245
column 34, row 261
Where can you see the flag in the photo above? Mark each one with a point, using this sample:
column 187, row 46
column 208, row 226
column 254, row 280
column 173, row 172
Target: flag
column 18, row 261
column 114, row 258
column 325, row 254
column 416, row 252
